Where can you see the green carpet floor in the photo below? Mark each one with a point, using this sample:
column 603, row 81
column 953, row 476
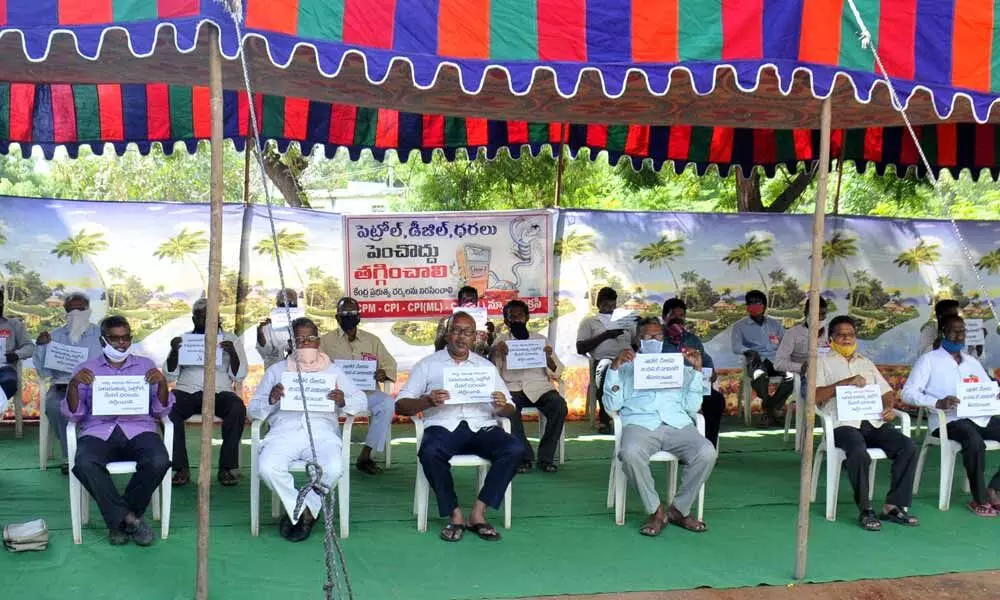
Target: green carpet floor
column 563, row 541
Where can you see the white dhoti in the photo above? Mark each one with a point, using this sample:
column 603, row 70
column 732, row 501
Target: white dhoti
column 283, row 447
column 381, row 407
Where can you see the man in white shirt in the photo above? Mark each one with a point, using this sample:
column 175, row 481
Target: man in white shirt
column 843, row 366
column 934, row 383
column 464, row 428
column 272, row 343
column 229, row 407
column 16, row 347
column 600, row 339
column 531, row 388
column 78, row 332
column 288, row 438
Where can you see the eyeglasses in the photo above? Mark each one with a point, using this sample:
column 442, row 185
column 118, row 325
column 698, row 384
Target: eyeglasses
column 463, row 332
column 348, row 313
column 309, row 339
column 114, row 339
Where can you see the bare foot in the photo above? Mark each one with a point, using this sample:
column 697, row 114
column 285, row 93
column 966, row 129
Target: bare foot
column 655, row 523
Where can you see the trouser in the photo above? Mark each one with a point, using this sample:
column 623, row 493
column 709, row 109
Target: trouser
column 280, row 448
column 550, row 404
column 229, row 407
column 8, row 380
column 760, row 381
column 712, row 407
column 381, row 407
column 90, row 467
column 900, row 449
column 53, row 411
column 494, row 444
column 694, row 451
column 972, row 438
column 598, row 382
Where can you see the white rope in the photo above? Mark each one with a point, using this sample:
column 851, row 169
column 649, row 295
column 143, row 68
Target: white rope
column 865, row 38
column 333, row 588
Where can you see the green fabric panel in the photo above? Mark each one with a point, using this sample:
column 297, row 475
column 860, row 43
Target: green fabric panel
column 700, row 29
column 365, row 127
column 513, row 30
column 88, row 115
column 4, row 111
column 181, row 116
column 273, row 125
column 784, row 145
column 995, row 55
column 321, row 19
column 538, row 133
column 455, row 135
column 852, row 55
column 701, row 144
column 929, row 141
column 854, row 145
column 617, row 136
column 133, row 10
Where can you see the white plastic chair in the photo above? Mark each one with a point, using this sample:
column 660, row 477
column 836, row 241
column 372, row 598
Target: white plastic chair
column 531, row 410
column 922, row 421
column 618, row 486
column 949, row 456
column 835, row 458
column 342, row 486
column 46, row 441
column 79, row 499
column 386, row 387
column 793, row 406
column 746, row 391
column 422, row 489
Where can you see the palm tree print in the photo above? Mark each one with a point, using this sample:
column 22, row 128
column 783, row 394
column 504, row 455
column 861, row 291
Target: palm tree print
column 184, row 246
column 661, row 253
column 750, row 252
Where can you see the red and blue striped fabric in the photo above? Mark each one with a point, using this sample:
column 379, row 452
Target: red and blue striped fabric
column 71, row 116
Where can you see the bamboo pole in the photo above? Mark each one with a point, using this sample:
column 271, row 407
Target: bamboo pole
column 559, row 164
column 815, row 273
column 212, row 316
column 840, row 178
column 243, row 277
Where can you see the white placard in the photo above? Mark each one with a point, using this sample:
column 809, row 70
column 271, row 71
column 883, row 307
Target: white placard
column 706, row 376
column 3, row 347
column 469, row 386
column 978, row 399
column 478, row 313
column 622, row 318
column 659, row 371
column 822, row 350
column 280, row 319
column 526, row 354
column 120, row 395
column 317, row 387
column 859, row 404
column 64, row 358
column 192, row 351
column 975, row 335
column 361, row 372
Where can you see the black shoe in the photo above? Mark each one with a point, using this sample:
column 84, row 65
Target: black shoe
column 141, row 533
column 524, row 467
column 285, row 526
column 117, row 536
column 301, row 530
column 64, row 468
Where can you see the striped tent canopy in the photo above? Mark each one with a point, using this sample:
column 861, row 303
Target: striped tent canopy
column 650, row 62
column 48, row 116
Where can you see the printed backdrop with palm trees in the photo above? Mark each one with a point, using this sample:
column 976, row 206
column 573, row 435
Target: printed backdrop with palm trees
column 149, row 263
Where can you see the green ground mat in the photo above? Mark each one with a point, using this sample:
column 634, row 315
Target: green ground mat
column 563, row 540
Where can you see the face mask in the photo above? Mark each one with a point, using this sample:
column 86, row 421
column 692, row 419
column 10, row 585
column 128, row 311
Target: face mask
column 114, row 354
column 755, row 310
column 519, row 330
column 650, row 346
column 845, row 351
column 952, row 347
column 308, row 355
column 605, row 319
column 348, row 322
column 77, row 321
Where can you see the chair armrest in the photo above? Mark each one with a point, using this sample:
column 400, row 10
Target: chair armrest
column 942, row 422
column 616, row 424
column 168, row 435
column 828, row 424
column 255, row 433
column 904, row 420
column 699, row 421
column 345, row 438
column 71, row 442
column 504, row 422
column 418, row 425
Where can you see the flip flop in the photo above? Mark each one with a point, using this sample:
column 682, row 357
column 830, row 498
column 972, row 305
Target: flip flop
column 227, row 478
column 650, row 530
column 452, row 532
column 688, row 523
column 547, row 467
column 982, row 510
column 485, row 531
column 868, row 521
column 181, row 477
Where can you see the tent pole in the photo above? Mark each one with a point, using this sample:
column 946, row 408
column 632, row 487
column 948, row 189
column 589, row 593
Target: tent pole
column 815, row 274
column 243, row 277
column 559, row 164
column 840, row 177
column 212, row 316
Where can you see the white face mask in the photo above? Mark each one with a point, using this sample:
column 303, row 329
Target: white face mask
column 77, row 321
column 114, row 354
column 650, row 346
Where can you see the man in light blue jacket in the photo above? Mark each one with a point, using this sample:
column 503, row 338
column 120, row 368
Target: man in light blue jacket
column 660, row 419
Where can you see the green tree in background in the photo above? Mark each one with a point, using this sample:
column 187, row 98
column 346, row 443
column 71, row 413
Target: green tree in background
column 290, row 243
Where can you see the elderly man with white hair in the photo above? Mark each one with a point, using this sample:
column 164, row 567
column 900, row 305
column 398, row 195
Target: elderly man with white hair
column 78, row 333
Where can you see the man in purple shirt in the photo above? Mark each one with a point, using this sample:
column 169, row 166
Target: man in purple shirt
column 104, row 439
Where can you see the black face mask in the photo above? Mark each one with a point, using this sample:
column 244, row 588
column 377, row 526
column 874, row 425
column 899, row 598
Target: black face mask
column 348, row 322
column 519, row 330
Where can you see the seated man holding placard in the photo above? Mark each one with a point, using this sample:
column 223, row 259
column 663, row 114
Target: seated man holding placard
column 658, row 397
column 528, row 366
column 949, row 379
column 756, row 337
column 930, row 334
column 850, row 386
column 16, row 346
column 603, row 337
column 185, row 366
column 272, row 332
column 119, row 425
column 278, row 399
column 363, row 357
column 468, row 302
column 58, row 354
column 461, row 395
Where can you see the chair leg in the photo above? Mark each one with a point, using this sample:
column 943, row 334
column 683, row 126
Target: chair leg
column 254, row 498
column 871, row 479
column 947, row 478
column 43, row 439
column 611, row 482
column 562, row 445
column 74, row 508
column 167, row 491
column 920, row 467
column 154, row 502
column 275, row 505
column 701, row 503
column 343, row 490
column 19, row 414
column 388, row 451
column 421, row 496
column 507, row 496
column 672, row 481
column 621, row 490
column 788, row 423
column 817, row 463
column 746, row 399
column 832, row 486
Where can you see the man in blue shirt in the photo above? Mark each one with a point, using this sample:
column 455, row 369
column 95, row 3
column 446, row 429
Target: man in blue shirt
column 660, row 419
column 676, row 339
column 757, row 337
